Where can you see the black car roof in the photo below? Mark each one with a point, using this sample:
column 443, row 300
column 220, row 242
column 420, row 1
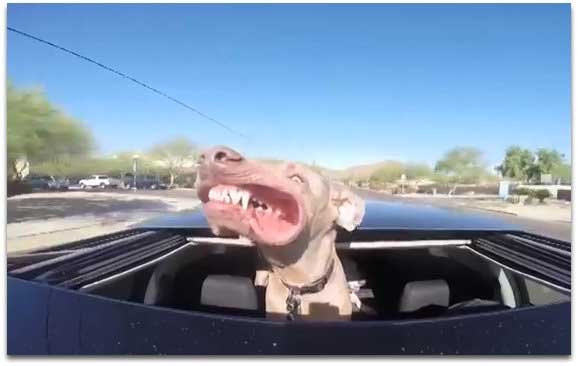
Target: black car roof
column 46, row 319
column 378, row 215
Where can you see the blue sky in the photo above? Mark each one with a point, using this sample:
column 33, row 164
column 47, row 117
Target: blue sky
column 339, row 85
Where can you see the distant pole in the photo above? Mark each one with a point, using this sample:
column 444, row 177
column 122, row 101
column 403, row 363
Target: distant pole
column 134, row 170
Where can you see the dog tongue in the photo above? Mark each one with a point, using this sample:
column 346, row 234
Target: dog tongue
column 272, row 228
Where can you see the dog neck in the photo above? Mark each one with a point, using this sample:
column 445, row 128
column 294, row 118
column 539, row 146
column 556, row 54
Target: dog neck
column 303, row 261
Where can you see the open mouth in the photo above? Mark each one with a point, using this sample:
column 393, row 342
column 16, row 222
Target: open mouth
column 263, row 214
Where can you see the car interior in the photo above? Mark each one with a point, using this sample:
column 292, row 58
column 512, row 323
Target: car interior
column 396, row 284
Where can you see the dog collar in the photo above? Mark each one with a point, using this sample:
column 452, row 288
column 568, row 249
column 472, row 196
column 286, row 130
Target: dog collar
column 294, row 298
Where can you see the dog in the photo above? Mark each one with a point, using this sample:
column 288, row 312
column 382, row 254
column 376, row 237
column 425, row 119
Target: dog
column 291, row 213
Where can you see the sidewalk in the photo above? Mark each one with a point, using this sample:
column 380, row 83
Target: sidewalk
column 552, row 210
column 542, row 212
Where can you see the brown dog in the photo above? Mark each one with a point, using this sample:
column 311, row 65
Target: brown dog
column 291, row 213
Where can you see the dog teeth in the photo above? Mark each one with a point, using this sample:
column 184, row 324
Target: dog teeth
column 245, row 196
column 235, row 195
column 231, row 195
column 226, row 197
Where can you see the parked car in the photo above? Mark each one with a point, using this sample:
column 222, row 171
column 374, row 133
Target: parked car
column 45, row 183
column 144, row 182
column 62, row 184
column 74, row 182
column 94, row 181
column 115, row 183
column 474, row 285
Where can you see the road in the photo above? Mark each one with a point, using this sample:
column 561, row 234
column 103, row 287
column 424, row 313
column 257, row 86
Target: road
column 553, row 229
column 51, row 218
column 48, row 205
column 30, row 209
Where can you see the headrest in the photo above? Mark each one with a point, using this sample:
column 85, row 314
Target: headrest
column 229, row 292
column 419, row 294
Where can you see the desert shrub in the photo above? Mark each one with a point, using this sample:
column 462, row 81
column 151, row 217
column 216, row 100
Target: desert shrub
column 376, row 185
column 411, row 189
column 542, row 194
column 523, row 191
column 186, row 180
column 513, row 199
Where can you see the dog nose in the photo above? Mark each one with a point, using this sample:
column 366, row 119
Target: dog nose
column 220, row 155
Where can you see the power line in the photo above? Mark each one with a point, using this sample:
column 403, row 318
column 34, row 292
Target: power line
column 121, row 74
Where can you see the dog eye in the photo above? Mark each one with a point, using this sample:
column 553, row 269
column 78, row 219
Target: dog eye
column 296, row 178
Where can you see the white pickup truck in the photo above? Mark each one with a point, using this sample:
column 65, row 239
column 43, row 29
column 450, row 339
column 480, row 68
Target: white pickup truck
column 94, row 181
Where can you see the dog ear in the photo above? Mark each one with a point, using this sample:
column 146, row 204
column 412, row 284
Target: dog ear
column 350, row 207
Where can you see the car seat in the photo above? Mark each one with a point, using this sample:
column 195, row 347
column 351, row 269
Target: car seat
column 230, row 294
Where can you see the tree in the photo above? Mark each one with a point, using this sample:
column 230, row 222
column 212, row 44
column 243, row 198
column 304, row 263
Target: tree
column 564, row 173
column 462, row 164
column 441, row 178
column 122, row 163
column 546, row 162
column 387, row 173
column 417, row 170
column 174, row 155
column 39, row 132
column 518, row 163
column 114, row 167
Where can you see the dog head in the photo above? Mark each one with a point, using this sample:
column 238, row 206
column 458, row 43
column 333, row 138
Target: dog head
column 271, row 203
